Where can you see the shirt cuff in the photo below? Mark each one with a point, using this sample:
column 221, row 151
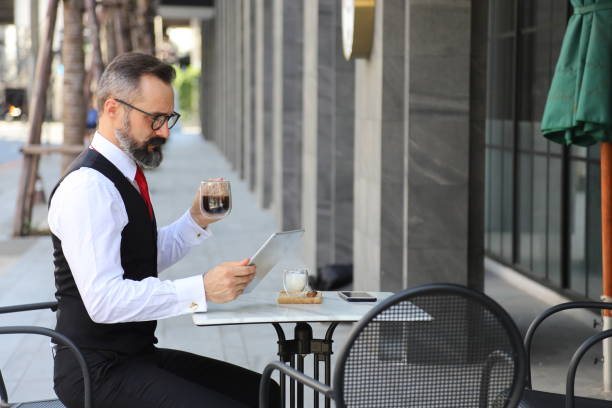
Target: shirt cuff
column 190, row 293
column 190, row 231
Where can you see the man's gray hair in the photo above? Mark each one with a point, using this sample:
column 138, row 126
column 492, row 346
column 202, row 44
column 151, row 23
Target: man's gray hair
column 121, row 78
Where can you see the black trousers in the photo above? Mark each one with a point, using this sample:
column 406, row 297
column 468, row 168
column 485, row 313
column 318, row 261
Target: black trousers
column 157, row 378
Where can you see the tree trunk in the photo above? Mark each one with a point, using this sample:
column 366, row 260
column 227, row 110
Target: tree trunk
column 123, row 35
column 146, row 14
column 97, row 66
column 109, row 33
column 74, row 76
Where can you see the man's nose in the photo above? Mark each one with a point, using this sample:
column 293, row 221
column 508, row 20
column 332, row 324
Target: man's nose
column 163, row 131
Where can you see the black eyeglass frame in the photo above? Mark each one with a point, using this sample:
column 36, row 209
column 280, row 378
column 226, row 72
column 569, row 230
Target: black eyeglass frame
column 155, row 117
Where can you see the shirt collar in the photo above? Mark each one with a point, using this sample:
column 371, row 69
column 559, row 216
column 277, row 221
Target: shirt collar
column 115, row 155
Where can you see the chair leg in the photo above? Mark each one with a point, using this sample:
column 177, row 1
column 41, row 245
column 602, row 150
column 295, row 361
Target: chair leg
column 3, row 393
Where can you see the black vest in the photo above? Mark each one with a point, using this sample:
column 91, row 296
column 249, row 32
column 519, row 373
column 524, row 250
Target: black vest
column 138, row 259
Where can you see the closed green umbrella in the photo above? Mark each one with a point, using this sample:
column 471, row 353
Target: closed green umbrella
column 579, row 111
column 579, row 106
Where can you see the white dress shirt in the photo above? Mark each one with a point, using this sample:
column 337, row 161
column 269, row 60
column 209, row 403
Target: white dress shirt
column 87, row 214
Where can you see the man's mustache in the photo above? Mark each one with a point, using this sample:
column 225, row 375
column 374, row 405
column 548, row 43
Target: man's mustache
column 155, row 141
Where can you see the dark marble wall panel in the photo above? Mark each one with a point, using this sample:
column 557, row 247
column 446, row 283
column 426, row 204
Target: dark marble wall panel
column 440, row 28
column 292, row 171
column 268, row 149
column 293, row 44
column 438, row 148
column 247, row 93
column 260, row 153
column 478, row 96
column 238, row 89
column 214, row 119
column 240, row 70
column 223, row 97
column 277, row 109
column 436, row 265
column 325, row 130
column 343, row 148
column 251, row 161
column 207, row 84
column 439, row 140
column 392, row 200
column 233, row 85
column 392, row 148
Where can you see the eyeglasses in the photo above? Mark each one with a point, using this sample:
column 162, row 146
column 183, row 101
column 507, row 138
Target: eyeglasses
column 158, row 119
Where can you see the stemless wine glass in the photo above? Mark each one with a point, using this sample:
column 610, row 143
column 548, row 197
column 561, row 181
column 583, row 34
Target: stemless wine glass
column 215, row 198
column 295, row 280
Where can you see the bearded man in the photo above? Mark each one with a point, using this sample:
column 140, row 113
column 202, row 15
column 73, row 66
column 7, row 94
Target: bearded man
column 108, row 252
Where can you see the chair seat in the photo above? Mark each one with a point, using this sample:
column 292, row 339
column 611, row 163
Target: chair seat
column 39, row 404
column 541, row 399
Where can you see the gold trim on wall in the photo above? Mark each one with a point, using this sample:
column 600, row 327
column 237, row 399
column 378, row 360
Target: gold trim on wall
column 358, row 34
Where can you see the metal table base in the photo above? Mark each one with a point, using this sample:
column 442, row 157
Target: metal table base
column 295, row 350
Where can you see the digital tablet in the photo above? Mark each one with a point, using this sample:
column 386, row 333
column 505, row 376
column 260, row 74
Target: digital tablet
column 268, row 255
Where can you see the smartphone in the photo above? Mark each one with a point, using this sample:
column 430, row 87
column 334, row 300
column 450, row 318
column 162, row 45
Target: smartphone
column 357, row 296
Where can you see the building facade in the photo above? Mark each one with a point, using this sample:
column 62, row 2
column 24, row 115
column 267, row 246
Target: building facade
column 415, row 163
column 381, row 160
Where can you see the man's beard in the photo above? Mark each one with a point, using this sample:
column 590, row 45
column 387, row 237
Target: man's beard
column 139, row 152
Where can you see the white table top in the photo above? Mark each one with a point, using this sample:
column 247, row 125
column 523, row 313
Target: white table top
column 261, row 307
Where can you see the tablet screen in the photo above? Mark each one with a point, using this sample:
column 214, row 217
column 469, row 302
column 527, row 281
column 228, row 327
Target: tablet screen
column 271, row 252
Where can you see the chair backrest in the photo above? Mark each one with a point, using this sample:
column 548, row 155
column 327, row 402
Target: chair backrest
column 437, row 345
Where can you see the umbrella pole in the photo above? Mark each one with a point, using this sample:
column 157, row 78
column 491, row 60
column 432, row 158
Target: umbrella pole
column 606, row 254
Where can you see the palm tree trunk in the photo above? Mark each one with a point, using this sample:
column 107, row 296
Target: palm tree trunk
column 74, row 76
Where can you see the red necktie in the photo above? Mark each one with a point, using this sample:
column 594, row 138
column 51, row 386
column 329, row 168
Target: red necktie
column 144, row 188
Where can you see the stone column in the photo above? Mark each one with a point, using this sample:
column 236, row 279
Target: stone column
column 328, row 138
column 379, row 154
column 288, row 55
column 277, row 107
column 247, row 94
column 235, row 66
column 220, row 91
column 253, row 37
column 266, row 193
column 207, row 82
column 238, row 111
column 309, row 129
column 264, row 156
column 228, row 136
column 439, row 144
column 259, row 99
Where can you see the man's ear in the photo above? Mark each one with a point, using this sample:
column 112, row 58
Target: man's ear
column 111, row 108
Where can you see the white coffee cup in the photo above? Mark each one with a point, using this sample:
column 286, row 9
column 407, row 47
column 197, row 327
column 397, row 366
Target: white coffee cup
column 295, row 280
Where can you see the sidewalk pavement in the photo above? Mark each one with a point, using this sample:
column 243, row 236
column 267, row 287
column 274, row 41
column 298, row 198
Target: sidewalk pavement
column 26, row 276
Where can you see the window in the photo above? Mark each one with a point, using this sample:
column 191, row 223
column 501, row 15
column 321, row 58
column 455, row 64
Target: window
column 542, row 199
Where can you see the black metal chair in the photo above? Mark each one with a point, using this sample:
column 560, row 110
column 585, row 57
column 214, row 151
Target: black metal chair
column 58, row 338
column 541, row 399
column 437, row 345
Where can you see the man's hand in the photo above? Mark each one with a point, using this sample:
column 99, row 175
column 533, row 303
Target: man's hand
column 195, row 211
column 225, row 282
